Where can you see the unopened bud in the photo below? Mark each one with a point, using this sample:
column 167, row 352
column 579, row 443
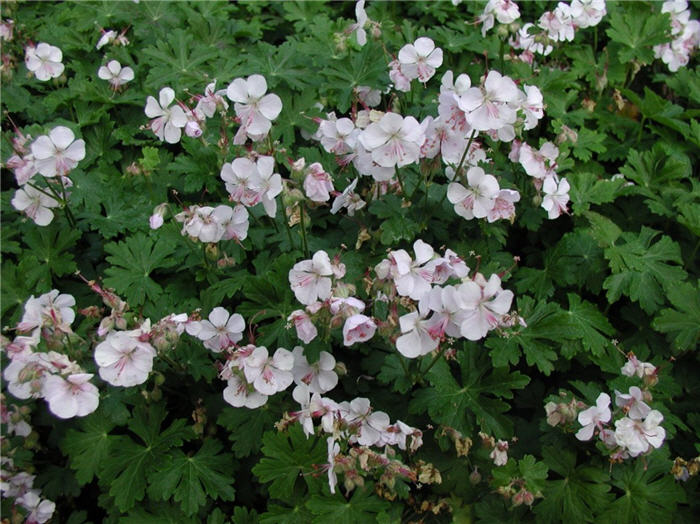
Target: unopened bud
column 340, row 369
column 475, row 476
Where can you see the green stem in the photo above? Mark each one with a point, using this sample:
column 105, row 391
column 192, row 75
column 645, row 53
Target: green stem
column 54, row 195
column 69, row 213
column 433, row 362
column 302, row 223
column 464, row 155
column 501, row 49
column 405, row 368
column 398, row 175
column 289, row 231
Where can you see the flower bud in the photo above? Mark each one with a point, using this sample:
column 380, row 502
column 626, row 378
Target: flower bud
column 475, row 476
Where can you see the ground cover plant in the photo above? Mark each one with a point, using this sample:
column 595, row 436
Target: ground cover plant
column 350, row 262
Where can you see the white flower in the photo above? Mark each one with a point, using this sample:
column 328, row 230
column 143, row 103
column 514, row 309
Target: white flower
column 35, row 204
column 167, row 121
column 359, row 27
column 349, row 199
column 306, row 331
column 124, row 360
column 485, row 303
column 318, row 184
column 556, row 197
column 221, row 331
column 594, row 417
column 240, row 394
column 394, row 140
column 636, row 436
column 115, row 74
column 40, row 510
column 106, row 38
column 417, row 339
column 309, row 279
column 207, row 104
column 255, row 109
column 477, row 200
column 358, row 328
column 632, row 403
column 50, row 309
column 492, row 106
column 44, row 61
column 73, row 397
column 319, row 377
column 420, row 59
column 57, row 153
column 269, row 375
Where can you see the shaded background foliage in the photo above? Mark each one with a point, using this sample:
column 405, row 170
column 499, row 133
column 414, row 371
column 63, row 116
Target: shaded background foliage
column 622, row 266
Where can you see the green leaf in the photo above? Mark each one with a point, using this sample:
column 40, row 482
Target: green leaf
column 129, row 464
column 579, row 496
column 590, row 325
column 363, row 506
column 546, row 328
column 587, row 143
column 255, row 422
column 650, row 494
column 465, row 405
column 684, row 320
column 88, row 447
column 133, row 261
column 288, row 457
column 643, row 270
column 392, row 372
column 51, row 245
column 191, row 479
column 638, row 30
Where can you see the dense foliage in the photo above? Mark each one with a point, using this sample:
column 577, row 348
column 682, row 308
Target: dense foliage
column 336, row 262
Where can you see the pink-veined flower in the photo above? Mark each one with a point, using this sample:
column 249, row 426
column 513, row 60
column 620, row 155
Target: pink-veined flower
column 71, row 397
column 124, row 360
column 594, row 417
column 221, row 331
column 57, row 153
column 420, row 59
column 310, row 279
column 167, row 121
column 115, row 74
column 394, row 140
column 44, row 61
column 35, row 204
column 358, row 328
column 255, row 109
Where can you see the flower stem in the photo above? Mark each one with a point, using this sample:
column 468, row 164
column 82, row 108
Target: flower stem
column 69, row 213
column 433, row 362
column 398, row 175
column 303, row 231
column 466, row 152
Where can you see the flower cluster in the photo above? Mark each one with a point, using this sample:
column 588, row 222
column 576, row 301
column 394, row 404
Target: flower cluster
column 353, row 422
column 53, row 156
column 253, row 181
column 638, row 430
column 49, row 375
column 125, row 358
column 470, row 309
column 211, row 224
column 541, row 165
column 312, row 284
column 676, row 53
column 19, row 485
column 505, row 11
column 558, row 25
